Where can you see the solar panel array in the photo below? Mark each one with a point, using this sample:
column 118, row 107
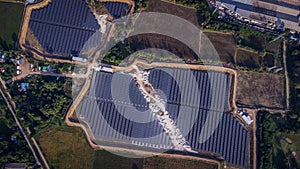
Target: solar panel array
column 116, row 9
column 109, row 104
column 63, row 26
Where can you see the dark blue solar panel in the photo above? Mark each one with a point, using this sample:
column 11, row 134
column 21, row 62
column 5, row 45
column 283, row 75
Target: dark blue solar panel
column 230, row 138
column 116, row 9
column 63, row 26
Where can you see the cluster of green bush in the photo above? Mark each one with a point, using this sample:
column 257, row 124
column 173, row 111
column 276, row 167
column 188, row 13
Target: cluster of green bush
column 270, row 131
column 44, row 102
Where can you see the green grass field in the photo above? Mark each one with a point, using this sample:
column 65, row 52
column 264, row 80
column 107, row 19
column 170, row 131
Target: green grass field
column 66, row 147
column 10, row 17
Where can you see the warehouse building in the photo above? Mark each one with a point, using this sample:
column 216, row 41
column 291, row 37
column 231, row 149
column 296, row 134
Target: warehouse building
column 286, row 14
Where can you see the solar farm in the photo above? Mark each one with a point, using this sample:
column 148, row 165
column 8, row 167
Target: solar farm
column 117, row 9
column 114, row 102
column 63, row 26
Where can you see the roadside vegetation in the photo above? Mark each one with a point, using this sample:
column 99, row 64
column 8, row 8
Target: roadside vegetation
column 13, row 147
column 277, row 141
column 293, row 65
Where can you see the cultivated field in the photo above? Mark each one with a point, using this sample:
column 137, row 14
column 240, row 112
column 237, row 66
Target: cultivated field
column 186, row 13
column 260, row 89
column 11, row 16
column 167, row 163
column 145, row 41
column 247, row 58
column 225, row 44
column 268, row 60
column 65, row 147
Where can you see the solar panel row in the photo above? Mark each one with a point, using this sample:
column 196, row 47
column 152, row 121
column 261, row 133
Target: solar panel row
column 230, row 139
column 209, row 84
column 116, row 9
column 63, row 26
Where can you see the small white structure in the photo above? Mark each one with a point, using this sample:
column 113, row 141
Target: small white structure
column 79, row 59
column 106, row 69
column 245, row 116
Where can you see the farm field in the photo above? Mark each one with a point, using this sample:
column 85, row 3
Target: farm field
column 186, row 13
column 11, row 16
column 260, row 89
column 269, row 60
column 61, row 144
column 225, row 45
column 167, row 163
column 247, row 58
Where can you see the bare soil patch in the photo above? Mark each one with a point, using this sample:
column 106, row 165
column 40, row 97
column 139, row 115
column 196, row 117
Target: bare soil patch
column 32, row 40
column 268, row 60
column 225, row 45
column 146, row 41
column 247, row 58
column 260, row 89
column 186, row 13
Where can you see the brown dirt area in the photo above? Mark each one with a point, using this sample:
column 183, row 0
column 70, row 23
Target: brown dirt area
column 145, row 41
column 247, row 58
column 32, row 40
column 225, row 45
column 166, row 163
column 260, row 89
column 186, row 13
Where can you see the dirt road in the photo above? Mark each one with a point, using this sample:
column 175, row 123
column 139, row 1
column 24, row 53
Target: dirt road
column 287, row 84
